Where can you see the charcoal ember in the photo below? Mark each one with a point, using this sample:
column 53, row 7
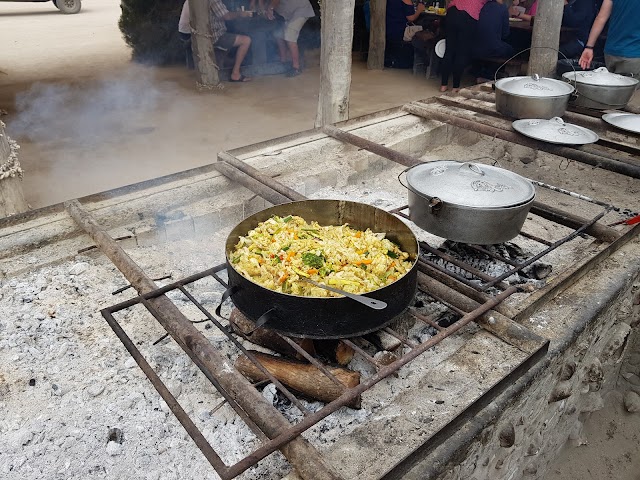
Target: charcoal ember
column 540, row 271
column 448, row 319
column 421, row 332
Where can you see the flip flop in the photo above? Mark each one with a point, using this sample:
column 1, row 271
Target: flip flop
column 242, row 79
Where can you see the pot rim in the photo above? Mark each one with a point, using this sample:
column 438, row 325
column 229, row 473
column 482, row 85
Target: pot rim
column 479, row 209
column 499, row 85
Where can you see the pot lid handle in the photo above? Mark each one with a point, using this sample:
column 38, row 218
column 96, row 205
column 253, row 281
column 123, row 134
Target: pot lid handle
column 536, row 77
column 472, row 167
column 558, row 120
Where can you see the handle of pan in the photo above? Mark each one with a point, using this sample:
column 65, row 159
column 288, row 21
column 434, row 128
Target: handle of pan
column 435, row 204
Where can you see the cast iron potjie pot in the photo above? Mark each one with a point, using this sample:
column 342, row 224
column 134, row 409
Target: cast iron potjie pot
column 325, row 317
column 600, row 89
column 468, row 202
column 532, row 97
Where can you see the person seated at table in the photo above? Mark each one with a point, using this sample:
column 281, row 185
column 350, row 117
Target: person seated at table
column 528, row 13
column 399, row 54
column 222, row 40
column 577, row 15
column 492, row 31
column 295, row 14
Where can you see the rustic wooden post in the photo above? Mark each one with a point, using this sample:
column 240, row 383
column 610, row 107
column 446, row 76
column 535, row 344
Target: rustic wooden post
column 203, row 53
column 546, row 38
column 335, row 61
column 11, row 198
column 377, row 34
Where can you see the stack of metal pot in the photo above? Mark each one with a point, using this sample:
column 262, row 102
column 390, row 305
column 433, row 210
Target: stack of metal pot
column 532, row 97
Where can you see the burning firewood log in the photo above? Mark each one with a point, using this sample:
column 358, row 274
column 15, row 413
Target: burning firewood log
column 332, row 350
column 301, row 377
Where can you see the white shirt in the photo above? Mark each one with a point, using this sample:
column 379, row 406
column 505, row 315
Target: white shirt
column 183, row 25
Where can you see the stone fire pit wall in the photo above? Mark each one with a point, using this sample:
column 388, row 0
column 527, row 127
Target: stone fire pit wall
column 590, row 324
column 11, row 198
column 522, row 431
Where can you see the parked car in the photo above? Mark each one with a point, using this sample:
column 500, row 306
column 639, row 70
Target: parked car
column 65, row 6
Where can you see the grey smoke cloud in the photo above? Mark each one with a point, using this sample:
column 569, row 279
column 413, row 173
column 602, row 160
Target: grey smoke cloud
column 83, row 114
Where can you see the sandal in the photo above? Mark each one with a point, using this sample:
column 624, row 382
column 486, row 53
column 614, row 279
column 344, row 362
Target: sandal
column 294, row 72
column 242, row 79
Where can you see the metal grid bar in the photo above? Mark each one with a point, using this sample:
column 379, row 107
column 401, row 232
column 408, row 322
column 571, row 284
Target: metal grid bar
column 497, row 282
column 269, row 446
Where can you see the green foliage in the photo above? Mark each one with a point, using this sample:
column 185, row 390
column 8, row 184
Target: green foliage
column 150, row 28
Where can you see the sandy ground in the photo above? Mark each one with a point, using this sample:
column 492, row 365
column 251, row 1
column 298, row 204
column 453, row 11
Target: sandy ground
column 102, row 122
column 88, row 120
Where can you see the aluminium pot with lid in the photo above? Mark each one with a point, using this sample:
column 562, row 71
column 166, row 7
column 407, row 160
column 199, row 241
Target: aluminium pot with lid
column 532, row 97
column 601, row 89
column 468, row 202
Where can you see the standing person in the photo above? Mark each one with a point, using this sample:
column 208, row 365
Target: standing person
column 295, row 14
column 622, row 48
column 460, row 29
column 490, row 40
column 578, row 15
column 218, row 13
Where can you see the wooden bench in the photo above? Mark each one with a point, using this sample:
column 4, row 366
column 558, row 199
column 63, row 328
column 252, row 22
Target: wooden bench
column 513, row 67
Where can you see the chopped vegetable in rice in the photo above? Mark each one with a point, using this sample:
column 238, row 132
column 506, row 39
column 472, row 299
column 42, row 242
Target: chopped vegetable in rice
column 281, row 251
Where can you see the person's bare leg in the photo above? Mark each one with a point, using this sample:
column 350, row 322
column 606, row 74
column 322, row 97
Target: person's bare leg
column 295, row 55
column 243, row 43
column 282, row 50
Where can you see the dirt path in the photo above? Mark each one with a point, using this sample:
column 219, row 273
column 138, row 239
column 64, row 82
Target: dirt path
column 95, row 121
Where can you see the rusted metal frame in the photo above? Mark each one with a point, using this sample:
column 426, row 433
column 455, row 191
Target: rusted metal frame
column 425, row 319
column 390, row 369
column 535, row 238
column 262, row 178
column 569, row 220
column 373, row 147
column 312, row 361
column 368, row 358
column 569, row 277
column 481, row 249
column 426, row 111
column 292, row 398
column 444, row 271
column 555, row 245
column 404, row 340
column 127, row 287
column 447, row 303
column 238, row 176
column 214, row 381
column 468, row 291
column 493, row 321
column 303, row 457
column 182, row 416
column 458, row 263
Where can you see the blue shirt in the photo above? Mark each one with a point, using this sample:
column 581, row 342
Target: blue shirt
column 492, row 30
column 397, row 13
column 623, row 38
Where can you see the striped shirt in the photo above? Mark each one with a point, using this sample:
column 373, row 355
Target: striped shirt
column 472, row 7
column 217, row 11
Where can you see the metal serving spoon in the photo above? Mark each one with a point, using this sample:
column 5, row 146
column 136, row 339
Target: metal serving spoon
column 369, row 302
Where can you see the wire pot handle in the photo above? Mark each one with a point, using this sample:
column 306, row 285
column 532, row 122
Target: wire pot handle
column 495, row 76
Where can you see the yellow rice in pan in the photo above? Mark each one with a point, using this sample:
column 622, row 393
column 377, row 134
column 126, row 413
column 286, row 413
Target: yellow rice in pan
column 281, row 251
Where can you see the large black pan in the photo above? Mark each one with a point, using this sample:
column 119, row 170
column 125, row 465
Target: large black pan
column 326, row 317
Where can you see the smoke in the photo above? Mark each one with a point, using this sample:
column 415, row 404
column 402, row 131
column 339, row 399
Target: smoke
column 83, row 114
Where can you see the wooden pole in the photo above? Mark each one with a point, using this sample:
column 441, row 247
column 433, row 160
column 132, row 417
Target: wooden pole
column 203, row 53
column 335, row 61
column 377, row 35
column 546, row 38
